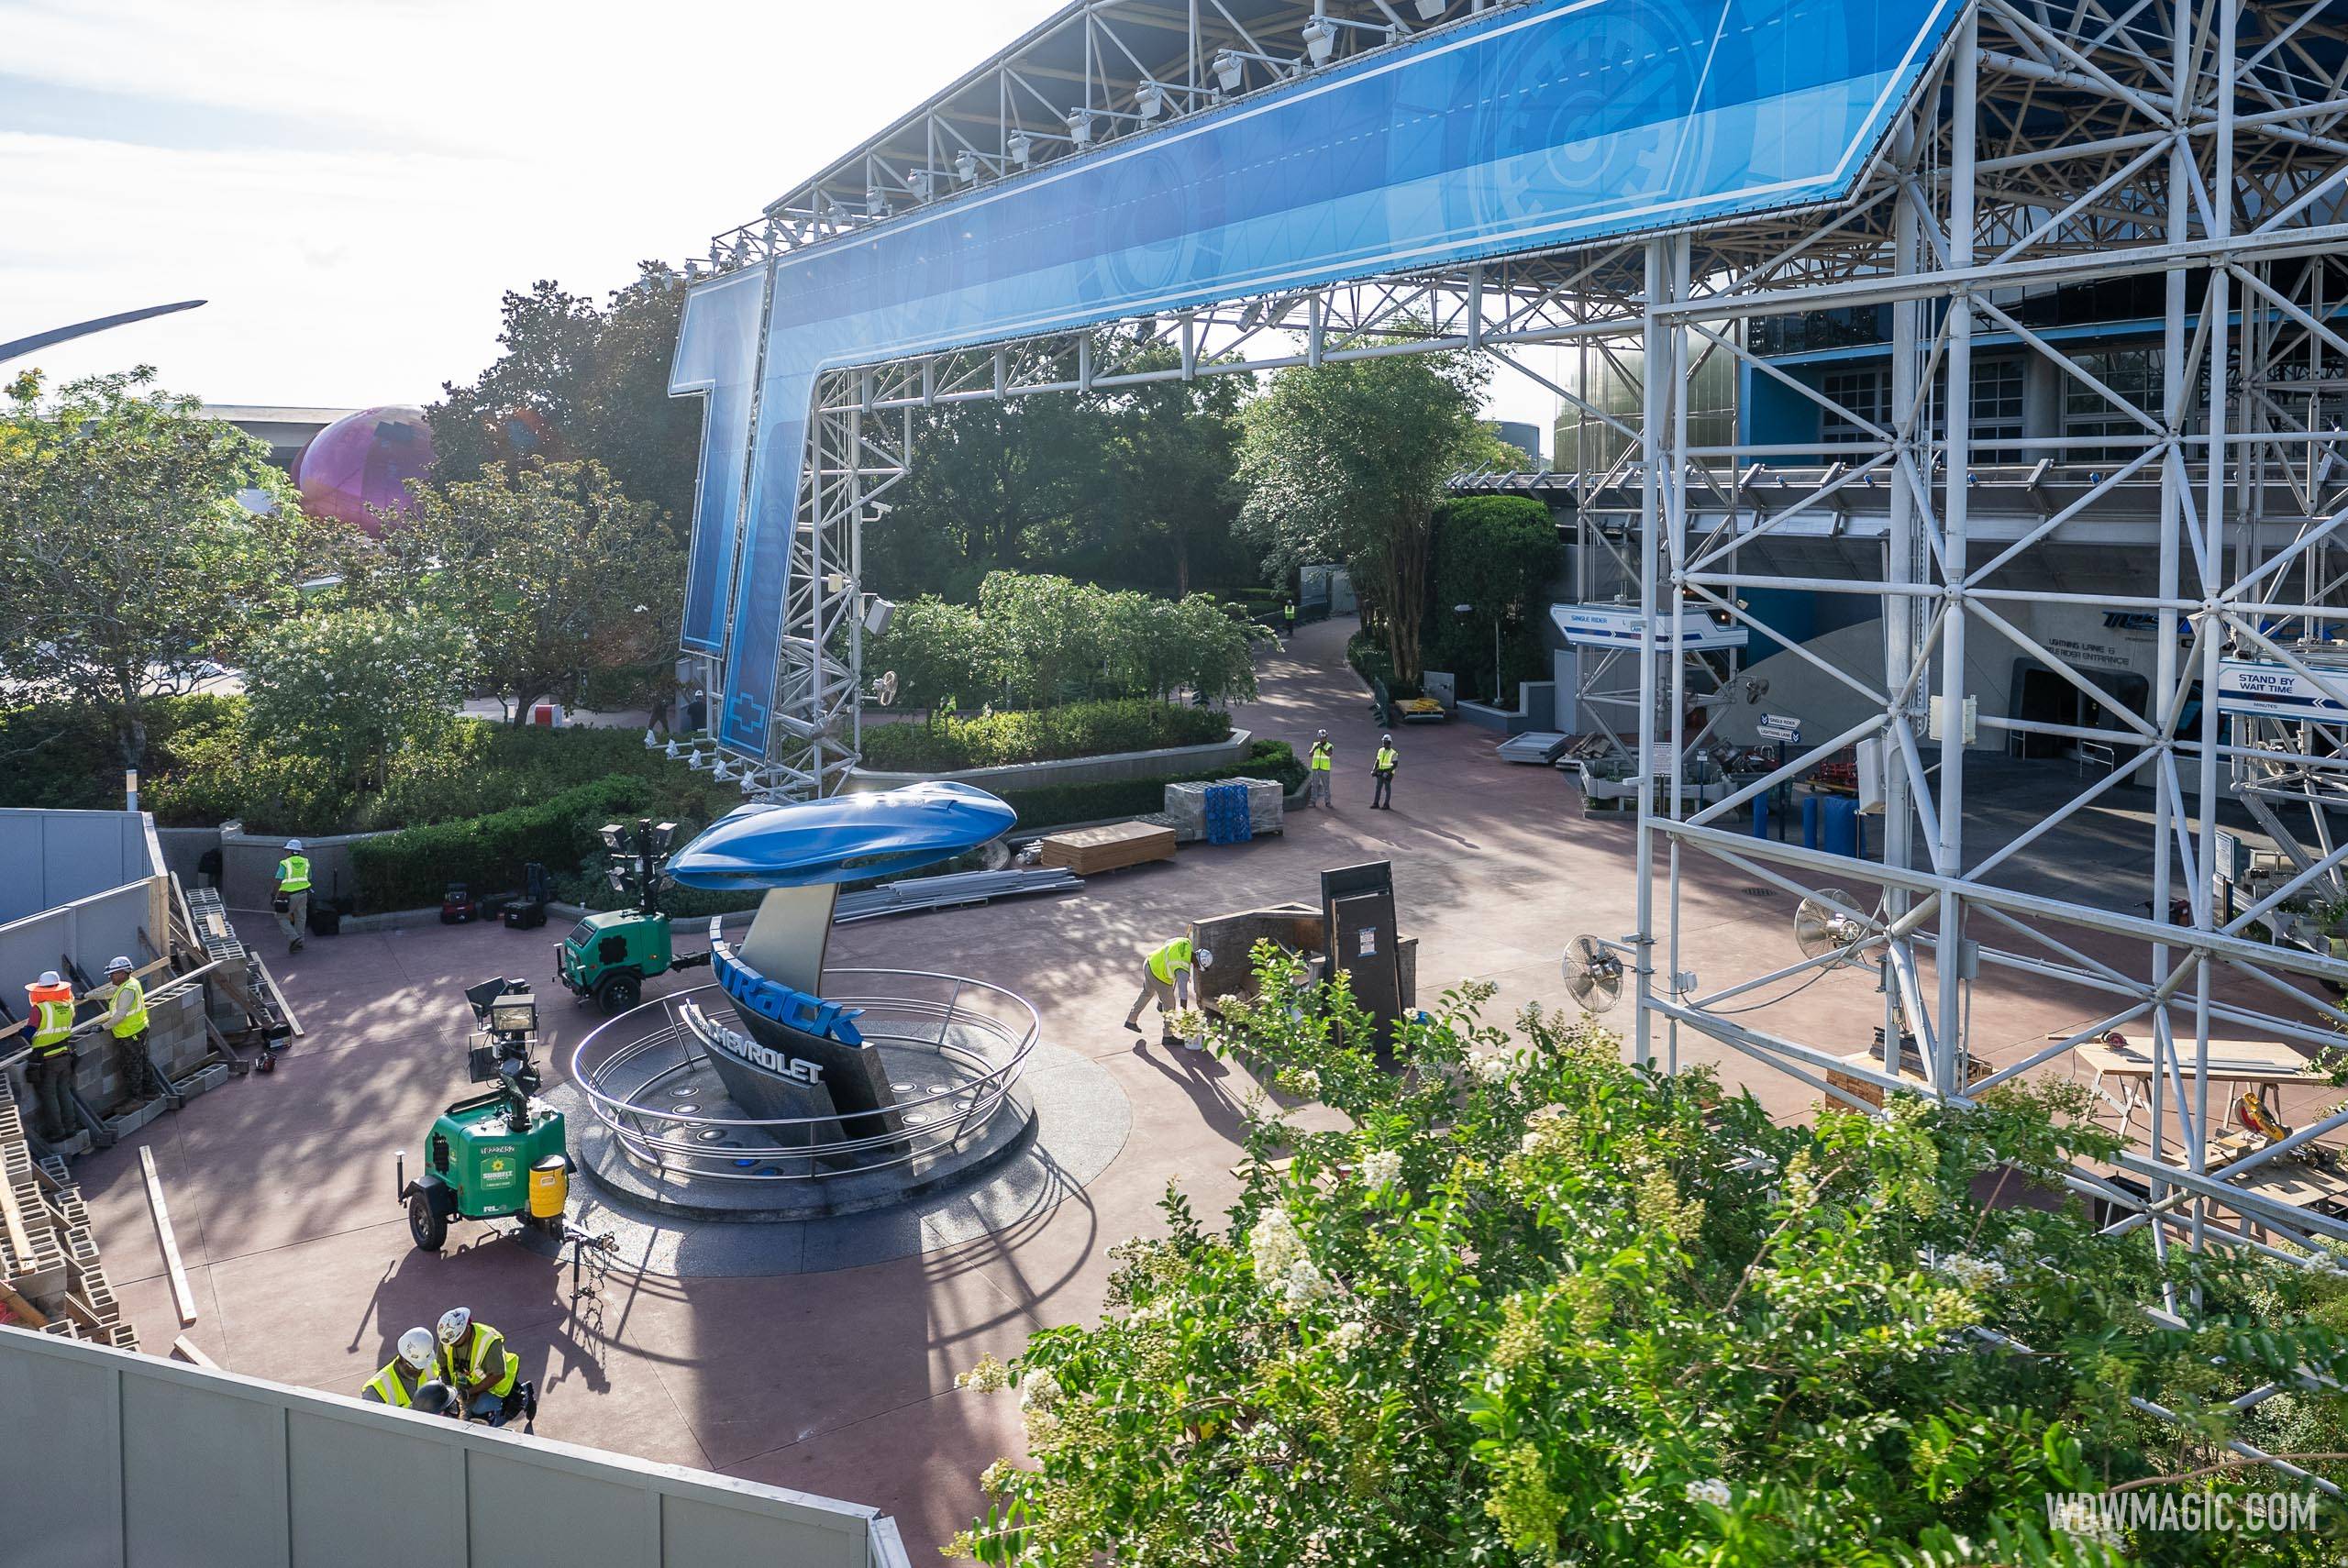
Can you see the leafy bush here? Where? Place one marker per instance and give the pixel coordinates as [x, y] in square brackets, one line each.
[357, 684]
[1079, 729]
[1060, 803]
[1525, 1305]
[1498, 554]
[1036, 642]
[411, 868]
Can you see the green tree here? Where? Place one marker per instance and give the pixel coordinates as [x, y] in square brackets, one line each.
[1345, 462]
[937, 650]
[130, 569]
[581, 380]
[1497, 554]
[1172, 452]
[358, 684]
[1523, 1305]
[554, 571]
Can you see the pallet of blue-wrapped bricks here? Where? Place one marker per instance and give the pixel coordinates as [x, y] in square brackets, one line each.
[1227, 816]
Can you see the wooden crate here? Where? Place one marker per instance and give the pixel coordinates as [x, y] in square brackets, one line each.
[1090, 851]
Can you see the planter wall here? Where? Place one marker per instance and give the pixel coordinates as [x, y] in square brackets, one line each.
[1164, 762]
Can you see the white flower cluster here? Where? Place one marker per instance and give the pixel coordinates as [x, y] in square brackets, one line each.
[1381, 1168]
[1301, 1081]
[1713, 1491]
[1972, 1273]
[1040, 1390]
[1493, 1070]
[1274, 1245]
[1301, 1284]
[1347, 1337]
[988, 1377]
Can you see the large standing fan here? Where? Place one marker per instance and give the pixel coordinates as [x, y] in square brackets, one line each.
[1828, 924]
[1593, 974]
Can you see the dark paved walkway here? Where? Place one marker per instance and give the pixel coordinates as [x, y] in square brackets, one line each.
[842, 1383]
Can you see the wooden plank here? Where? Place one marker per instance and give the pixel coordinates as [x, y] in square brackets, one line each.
[19, 1309]
[1108, 847]
[182, 1349]
[182, 1299]
[12, 1214]
[284, 1007]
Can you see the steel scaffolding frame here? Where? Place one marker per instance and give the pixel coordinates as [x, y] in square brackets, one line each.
[2199, 141]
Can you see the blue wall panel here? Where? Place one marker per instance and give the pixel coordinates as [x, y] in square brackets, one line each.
[1532, 127]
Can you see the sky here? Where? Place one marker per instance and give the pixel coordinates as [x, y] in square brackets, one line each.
[351, 184]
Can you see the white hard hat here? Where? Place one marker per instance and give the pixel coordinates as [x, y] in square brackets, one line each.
[119, 961]
[1204, 956]
[1320, 735]
[1386, 740]
[51, 977]
[453, 1324]
[293, 847]
[415, 1348]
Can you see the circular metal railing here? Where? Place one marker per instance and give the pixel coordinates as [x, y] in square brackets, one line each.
[984, 1031]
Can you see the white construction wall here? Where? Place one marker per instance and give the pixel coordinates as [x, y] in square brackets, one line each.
[128, 1461]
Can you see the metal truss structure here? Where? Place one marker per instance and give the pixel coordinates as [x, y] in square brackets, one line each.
[2203, 144]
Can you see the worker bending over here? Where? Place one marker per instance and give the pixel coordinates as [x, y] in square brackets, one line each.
[1319, 763]
[127, 1022]
[48, 1028]
[1165, 980]
[292, 895]
[476, 1363]
[1381, 776]
[407, 1372]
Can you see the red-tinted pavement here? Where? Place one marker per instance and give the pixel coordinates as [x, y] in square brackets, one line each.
[842, 1383]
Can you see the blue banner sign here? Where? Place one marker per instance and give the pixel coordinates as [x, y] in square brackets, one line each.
[1529, 127]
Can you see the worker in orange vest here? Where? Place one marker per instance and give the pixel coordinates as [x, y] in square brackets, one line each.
[49, 1029]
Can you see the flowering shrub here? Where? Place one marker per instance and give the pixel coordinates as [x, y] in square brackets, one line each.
[1571, 1311]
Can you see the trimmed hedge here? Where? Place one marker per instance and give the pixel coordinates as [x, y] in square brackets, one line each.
[1060, 803]
[412, 868]
[1043, 734]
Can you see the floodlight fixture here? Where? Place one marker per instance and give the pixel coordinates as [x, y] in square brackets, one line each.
[671, 751]
[614, 838]
[698, 762]
[966, 166]
[876, 203]
[662, 834]
[1149, 100]
[693, 271]
[1320, 40]
[877, 613]
[920, 182]
[651, 741]
[1080, 126]
[1230, 69]
[721, 772]
[742, 251]
[1020, 148]
[1430, 9]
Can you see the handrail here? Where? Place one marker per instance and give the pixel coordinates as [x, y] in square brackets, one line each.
[964, 1106]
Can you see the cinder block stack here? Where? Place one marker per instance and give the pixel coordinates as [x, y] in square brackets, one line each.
[48, 1258]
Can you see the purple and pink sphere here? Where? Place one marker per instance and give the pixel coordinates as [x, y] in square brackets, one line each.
[363, 460]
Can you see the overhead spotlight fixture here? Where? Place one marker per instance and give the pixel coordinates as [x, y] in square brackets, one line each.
[1080, 126]
[1149, 100]
[966, 166]
[1229, 68]
[1020, 148]
[876, 203]
[1320, 40]
[742, 252]
[773, 233]
[920, 181]
[693, 271]
[1430, 9]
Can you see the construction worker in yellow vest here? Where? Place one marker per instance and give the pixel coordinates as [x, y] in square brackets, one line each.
[292, 901]
[1382, 775]
[127, 1022]
[49, 1029]
[1167, 981]
[406, 1373]
[1319, 763]
[476, 1363]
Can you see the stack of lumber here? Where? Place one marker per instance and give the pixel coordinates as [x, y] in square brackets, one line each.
[1090, 851]
[50, 1278]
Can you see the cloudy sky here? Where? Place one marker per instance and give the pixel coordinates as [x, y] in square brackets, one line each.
[352, 183]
